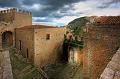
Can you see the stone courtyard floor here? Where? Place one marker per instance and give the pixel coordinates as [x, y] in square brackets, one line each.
[65, 71]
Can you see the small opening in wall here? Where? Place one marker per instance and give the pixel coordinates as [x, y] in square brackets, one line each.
[20, 44]
[48, 37]
[27, 53]
[98, 22]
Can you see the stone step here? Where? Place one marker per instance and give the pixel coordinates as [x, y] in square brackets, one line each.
[25, 74]
[43, 73]
[26, 69]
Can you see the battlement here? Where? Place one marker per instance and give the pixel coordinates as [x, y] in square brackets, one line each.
[12, 10]
[15, 15]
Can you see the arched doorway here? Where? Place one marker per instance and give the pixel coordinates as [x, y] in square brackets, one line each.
[7, 39]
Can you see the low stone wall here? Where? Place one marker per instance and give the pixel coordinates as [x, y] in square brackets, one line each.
[5, 65]
[112, 71]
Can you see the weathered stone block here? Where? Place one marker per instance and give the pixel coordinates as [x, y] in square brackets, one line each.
[117, 75]
[108, 74]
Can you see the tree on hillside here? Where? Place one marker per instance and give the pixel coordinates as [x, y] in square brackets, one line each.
[76, 26]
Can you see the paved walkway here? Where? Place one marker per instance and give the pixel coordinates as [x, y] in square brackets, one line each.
[5, 65]
[64, 71]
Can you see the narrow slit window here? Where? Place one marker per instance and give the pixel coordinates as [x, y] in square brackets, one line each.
[27, 56]
[20, 44]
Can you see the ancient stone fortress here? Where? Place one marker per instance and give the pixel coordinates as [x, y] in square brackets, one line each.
[39, 43]
[9, 20]
[101, 43]
[42, 45]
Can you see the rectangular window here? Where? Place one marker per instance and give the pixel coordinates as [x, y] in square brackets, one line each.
[48, 37]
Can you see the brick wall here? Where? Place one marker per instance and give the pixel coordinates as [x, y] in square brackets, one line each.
[100, 45]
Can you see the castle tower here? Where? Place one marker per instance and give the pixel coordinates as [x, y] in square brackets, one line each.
[9, 20]
[19, 17]
[102, 42]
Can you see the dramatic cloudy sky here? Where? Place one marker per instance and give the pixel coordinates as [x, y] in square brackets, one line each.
[61, 12]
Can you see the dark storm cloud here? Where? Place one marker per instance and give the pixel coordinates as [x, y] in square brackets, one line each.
[51, 5]
[108, 3]
[9, 3]
[55, 4]
[53, 10]
[48, 8]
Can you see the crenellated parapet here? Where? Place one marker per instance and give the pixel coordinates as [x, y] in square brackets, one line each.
[13, 10]
[16, 15]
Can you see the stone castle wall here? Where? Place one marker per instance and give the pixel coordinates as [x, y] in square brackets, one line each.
[20, 17]
[25, 42]
[11, 19]
[100, 45]
[41, 50]
[7, 16]
[47, 51]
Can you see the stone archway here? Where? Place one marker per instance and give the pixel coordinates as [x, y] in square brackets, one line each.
[7, 39]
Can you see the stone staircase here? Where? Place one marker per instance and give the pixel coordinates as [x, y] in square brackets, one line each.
[28, 69]
[23, 69]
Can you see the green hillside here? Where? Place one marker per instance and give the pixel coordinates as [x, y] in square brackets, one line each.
[77, 25]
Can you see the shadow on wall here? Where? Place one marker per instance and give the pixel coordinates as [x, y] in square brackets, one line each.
[72, 55]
